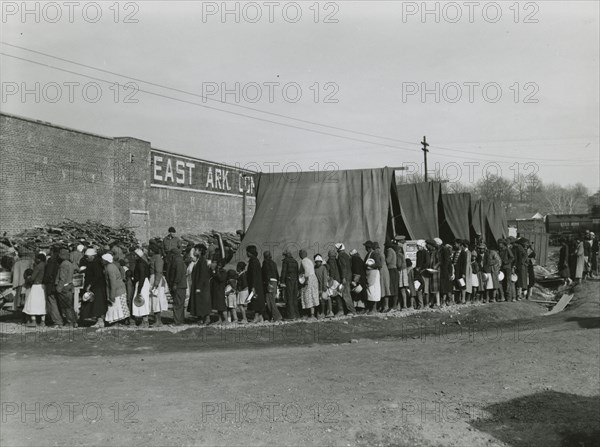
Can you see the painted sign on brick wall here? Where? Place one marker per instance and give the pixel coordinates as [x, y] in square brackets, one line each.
[185, 173]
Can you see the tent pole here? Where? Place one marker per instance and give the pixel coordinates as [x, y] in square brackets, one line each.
[392, 214]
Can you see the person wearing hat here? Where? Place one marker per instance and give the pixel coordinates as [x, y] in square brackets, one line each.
[177, 281]
[359, 281]
[520, 268]
[64, 287]
[333, 271]
[384, 275]
[309, 293]
[401, 267]
[199, 304]
[95, 282]
[35, 302]
[170, 242]
[158, 283]
[421, 275]
[344, 264]
[434, 276]
[464, 271]
[116, 292]
[507, 290]
[255, 283]
[141, 305]
[289, 284]
[373, 285]
[391, 261]
[446, 271]
[270, 277]
[23, 262]
[323, 280]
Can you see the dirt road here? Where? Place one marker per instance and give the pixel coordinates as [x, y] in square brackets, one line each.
[492, 375]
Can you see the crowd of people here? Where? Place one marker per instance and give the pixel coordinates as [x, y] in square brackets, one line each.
[132, 286]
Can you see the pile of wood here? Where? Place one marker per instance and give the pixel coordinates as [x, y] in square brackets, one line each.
[230, 240]
[70, 232]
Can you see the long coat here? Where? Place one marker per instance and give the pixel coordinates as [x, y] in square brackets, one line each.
[579, 267]
[360, 273]
[218, 281]
[95, 279]
[289, 277]
[200, 304]
[445, 270]
[521, 263]
[255, 282]
[563, 262]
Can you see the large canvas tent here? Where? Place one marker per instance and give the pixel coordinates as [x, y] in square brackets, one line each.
[314, 210]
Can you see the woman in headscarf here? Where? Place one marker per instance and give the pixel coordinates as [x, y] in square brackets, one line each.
[310, 289]
[384, 274]
[95, 282]
[391, 262]
[464, 271]
[116, 293]
[373, 285]
[35, 302]
[142, 305]
[158, 283]
[289, 284]
[200, 304]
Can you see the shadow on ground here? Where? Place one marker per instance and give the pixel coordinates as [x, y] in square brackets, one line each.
[544, 419]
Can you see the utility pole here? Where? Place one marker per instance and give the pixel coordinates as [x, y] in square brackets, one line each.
[425, 150]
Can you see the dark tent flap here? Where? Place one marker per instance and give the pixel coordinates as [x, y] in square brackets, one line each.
[457, 209]
[314, 210]
[419, 208]
[496, 219]
[489, 220]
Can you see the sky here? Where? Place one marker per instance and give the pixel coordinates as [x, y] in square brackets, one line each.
[496, 87]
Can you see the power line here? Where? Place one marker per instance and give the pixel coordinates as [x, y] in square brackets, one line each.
[479, 155]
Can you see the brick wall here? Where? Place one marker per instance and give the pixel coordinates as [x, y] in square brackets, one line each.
[49, 173]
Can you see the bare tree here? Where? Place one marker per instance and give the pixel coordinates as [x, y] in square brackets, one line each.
[565, 199]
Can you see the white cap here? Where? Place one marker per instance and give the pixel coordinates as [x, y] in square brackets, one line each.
[353, 251]
[318, 258]
[438, 240]
[139, 252]
[421, 243]
[107, 257]
[80, 248]
[91, 252]
[340, 246]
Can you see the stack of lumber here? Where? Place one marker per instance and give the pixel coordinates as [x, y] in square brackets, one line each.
[70, 232]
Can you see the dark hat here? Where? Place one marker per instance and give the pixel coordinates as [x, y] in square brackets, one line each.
[375, 244]
[252, 250]
[368, 244]
[172, 230]
[431, 242]
[241, 265]
[267, 254]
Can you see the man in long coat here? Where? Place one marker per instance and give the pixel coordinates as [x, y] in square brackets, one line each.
[200, 302]
[270, 277]
[344, 264]
[289, 284]
[255, 283]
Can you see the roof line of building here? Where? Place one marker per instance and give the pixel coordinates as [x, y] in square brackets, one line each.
[70, 129]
